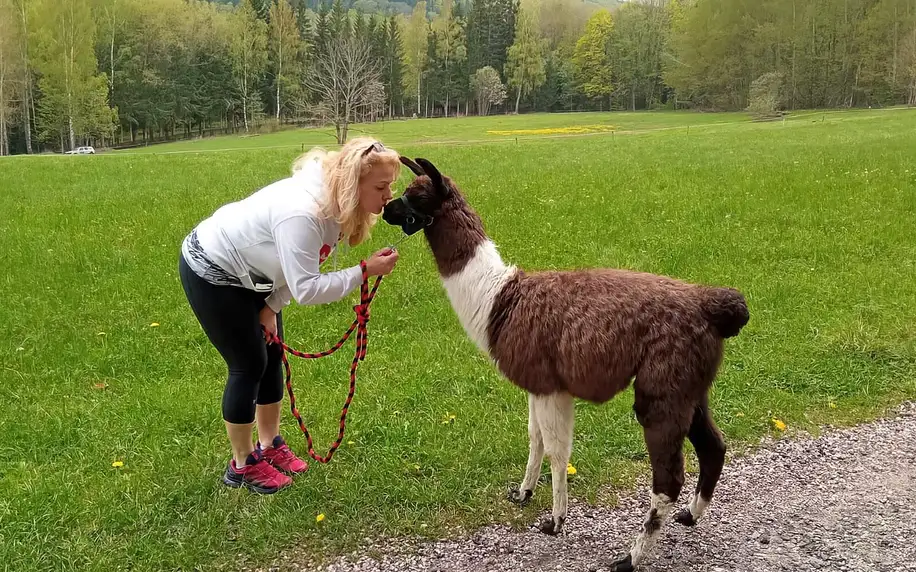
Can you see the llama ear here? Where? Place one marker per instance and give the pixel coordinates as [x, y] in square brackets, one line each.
[417, 170]
[434, 175]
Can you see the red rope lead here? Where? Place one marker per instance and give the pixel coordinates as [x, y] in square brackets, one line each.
[362, 342]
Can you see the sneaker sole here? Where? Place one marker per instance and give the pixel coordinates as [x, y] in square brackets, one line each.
[251, 486]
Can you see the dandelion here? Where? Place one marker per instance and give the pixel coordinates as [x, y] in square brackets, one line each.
[570, 470]
[118, 464]
[779, 424]
[448, 418]
[319, 518]
[154, 325]
[831, 405]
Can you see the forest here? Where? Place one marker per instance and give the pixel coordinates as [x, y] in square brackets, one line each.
[116, 73]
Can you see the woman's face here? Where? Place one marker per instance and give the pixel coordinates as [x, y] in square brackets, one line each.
[375, 187]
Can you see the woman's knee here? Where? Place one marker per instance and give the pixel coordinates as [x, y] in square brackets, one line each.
[271, 388]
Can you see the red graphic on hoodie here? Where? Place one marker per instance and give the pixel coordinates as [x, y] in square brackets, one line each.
[323, 253]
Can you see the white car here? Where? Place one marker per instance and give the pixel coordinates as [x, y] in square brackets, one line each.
[87, 150]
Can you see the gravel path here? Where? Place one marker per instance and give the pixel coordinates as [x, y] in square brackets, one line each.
[843, 502]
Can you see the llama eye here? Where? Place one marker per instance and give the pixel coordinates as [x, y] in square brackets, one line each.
[411, 220]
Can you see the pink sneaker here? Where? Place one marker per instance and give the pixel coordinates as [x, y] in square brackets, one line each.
[280, 456]
[257, 475]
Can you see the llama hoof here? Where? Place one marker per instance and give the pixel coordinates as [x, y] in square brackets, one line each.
[551, 526]
[622, 564]
[685, 517]
[520, 498]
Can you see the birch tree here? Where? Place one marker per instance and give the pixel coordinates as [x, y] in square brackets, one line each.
[249, 57]
[284, 47]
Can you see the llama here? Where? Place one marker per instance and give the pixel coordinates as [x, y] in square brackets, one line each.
[561, 335]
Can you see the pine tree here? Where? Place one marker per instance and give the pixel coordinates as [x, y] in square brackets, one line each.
[323, 33]
[339, 22]
[394, 68]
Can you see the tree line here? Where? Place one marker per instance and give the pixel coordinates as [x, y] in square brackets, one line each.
[123, 72]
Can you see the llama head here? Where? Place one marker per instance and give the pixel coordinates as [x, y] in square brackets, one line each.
[423, 200]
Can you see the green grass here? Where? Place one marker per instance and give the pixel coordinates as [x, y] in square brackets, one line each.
[432, 131]
[811, 219]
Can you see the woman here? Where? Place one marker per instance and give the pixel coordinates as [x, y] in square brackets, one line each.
[241, 266]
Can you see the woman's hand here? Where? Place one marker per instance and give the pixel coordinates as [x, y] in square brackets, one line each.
[269, 320]
[382, 262]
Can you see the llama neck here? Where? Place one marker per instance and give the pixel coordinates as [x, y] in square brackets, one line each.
[472, 270]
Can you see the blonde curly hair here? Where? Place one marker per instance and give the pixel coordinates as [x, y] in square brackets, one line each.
[341, 171]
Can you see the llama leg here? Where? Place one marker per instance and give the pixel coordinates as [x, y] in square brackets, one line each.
[556, 416]
[710, 448]
[522, 494]
[664, 429]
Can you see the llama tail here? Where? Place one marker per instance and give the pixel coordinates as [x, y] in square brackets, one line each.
[726, 309]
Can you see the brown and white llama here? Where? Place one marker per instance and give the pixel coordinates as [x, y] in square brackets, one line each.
[585, 334]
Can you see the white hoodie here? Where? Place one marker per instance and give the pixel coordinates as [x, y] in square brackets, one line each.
[274, 240]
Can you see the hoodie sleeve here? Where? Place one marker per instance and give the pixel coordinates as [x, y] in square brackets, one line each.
[299, 241]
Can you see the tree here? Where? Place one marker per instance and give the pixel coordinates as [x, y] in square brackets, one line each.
[339, 23]
[375, 100]
[638, 38]
[562, 22]
[525, 67]
[345, 81]
[249, 56]
[393, 68]
[322, 30]
[70, 84]
[908, 65]
[488, 89]
[284, 45]
[10, 71]
[27, 101]
[764, 97]
[591, 59]
[491, 30]
[450, 51]
[416, 49]
[261, 9]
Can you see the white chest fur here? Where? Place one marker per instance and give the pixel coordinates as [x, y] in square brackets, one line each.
[473, 290]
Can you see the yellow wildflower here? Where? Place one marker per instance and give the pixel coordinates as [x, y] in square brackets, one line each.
[779, 424]
[118, 464]
[319, 518]
[581, 129]
[570, 470]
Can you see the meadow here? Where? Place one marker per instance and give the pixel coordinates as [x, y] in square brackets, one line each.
[113, 443]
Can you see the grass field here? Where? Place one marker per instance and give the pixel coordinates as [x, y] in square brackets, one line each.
[477, 130]
[101, 360]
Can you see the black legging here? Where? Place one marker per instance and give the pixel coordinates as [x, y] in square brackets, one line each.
[229, 316]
